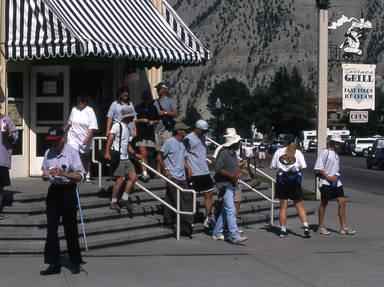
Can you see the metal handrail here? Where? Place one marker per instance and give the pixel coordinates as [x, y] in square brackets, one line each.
[179, 188]
[100, 165]
[273, 182]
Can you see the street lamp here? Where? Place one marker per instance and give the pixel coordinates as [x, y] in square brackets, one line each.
[322, 4]
[218, 106]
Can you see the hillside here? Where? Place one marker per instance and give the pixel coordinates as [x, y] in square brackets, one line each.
[250, 39]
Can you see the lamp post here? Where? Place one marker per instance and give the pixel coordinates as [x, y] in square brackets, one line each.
[323, 6]
[218, 106]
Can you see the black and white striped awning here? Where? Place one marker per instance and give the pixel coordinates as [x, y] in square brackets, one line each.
[130, 29]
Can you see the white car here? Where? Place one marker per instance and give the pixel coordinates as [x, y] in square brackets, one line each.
[362, 145]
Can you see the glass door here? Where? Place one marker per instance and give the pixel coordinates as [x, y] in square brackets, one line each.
[49, 106]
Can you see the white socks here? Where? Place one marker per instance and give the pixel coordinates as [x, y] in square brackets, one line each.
[145, 173]
[114, 200]
[125, 196]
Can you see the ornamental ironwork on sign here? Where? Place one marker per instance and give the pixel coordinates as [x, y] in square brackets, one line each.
[352, 44]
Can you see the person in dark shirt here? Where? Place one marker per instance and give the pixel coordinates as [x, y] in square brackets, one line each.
[147, 119]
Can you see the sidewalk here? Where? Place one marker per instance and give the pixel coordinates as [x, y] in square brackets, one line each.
[266, 260]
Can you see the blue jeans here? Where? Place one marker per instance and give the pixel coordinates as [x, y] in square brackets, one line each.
[227, 215]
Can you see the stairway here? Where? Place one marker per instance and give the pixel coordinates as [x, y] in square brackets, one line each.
[23, 229]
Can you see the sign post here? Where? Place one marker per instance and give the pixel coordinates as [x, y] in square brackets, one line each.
[322, 97]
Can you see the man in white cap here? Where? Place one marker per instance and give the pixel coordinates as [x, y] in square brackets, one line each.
[197, 168]
[172, 159]
[119, 141]
[328, 167]
[227, 174]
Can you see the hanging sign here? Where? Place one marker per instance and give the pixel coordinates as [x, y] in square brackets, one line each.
[358, 116]
[359, 86]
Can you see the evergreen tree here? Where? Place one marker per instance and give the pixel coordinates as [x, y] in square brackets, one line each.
[287, 106]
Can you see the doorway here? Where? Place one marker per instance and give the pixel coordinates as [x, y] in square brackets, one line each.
[49, 105]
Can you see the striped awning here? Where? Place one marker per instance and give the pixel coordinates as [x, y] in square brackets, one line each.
[129, 29]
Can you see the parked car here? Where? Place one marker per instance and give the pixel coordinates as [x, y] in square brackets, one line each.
[348, 147]
[275, 145]
[376, 158]
[362, 145]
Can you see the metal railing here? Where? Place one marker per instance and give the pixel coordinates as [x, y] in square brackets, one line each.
[273, 182]
[178, 188]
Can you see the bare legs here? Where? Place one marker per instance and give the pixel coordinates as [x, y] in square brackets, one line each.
[283, 211]
[86, 161]
[208, 203]
[341, 211]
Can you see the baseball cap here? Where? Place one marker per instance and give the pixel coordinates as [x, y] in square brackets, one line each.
[82, 98]
[181, 126]
[147, 95]
[289, 138]
[128, 112]
[161, 85]
[202, 125]
[54, 133]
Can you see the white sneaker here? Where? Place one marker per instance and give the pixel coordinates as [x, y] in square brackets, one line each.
[207, 222]
[88, 177]
[218, 237]
[238, 240]
[324, 231]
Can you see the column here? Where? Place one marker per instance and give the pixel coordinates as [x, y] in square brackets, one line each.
[322, 85]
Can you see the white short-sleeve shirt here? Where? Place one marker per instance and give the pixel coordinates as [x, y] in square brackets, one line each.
[125, 136]
[298, 165]
[329, 162]
[81, 122]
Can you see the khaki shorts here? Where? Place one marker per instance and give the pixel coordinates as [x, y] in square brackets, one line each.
[262, 155]
[124, 168]
[146, 143]
[238, 194]
[161, 137]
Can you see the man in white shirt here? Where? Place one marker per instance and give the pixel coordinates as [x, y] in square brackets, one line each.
[118, 140]
[328, 166]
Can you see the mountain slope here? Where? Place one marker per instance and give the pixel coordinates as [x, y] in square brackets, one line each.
[250, 39]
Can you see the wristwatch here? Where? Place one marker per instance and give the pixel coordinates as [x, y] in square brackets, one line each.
[166, 112]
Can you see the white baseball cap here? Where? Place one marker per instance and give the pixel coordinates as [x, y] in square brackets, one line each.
[202, 125]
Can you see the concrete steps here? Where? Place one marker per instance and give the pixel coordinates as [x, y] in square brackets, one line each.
[23, 229]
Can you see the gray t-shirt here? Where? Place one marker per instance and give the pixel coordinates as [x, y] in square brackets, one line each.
[114, 111]
[196, 154]
[174, 153]
[167, 105]
[228, 162]
[329, 162]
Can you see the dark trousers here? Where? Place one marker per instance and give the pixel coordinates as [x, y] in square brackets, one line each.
[61, 202]
[185, 205]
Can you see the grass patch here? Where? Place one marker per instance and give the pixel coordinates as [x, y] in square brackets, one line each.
[309, 195]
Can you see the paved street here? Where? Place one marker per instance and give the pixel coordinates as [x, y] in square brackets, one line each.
[354, 174]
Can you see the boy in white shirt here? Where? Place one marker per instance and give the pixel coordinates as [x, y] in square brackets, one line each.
[118, 140]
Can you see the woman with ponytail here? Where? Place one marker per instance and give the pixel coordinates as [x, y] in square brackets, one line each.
[289, 162]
